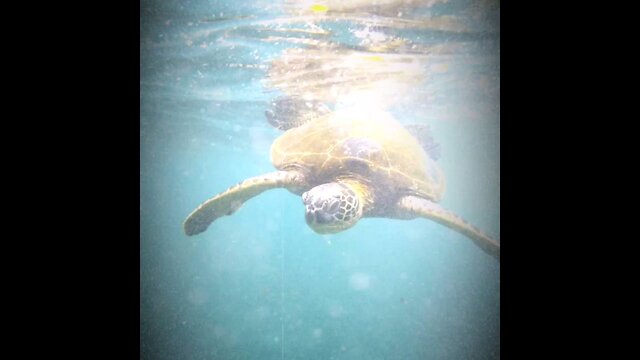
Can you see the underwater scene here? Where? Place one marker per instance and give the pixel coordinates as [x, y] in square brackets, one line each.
[319, 179]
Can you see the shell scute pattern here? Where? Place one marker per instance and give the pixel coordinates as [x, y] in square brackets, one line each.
[370, 144]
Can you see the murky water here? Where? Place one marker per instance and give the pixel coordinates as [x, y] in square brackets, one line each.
[261, 284]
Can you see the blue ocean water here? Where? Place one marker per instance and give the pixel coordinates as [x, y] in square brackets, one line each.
[261, 284]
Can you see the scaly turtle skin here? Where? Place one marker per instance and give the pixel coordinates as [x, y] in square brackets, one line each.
[347, 165]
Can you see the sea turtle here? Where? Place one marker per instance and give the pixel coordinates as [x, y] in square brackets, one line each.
[346, 165]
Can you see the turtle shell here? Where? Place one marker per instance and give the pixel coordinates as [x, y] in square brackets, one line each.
[358, 143]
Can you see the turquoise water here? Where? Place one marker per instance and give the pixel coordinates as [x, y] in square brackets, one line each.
[261, 284]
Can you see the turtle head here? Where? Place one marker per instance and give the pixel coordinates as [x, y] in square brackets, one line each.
[331, 208]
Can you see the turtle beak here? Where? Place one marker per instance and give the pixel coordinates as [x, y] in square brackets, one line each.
[309, 213]
[309, 217]
[314, 216]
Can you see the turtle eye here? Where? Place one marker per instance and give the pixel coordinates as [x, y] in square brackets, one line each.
[333, 208]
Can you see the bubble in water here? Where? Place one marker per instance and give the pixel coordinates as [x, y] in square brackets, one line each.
[219, 331]
[336, 310]
[198, 296]
[360, 281]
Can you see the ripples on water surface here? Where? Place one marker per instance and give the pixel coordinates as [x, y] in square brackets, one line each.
[261, 284]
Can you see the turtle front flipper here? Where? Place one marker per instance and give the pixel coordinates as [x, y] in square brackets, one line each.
[410, 207]
[227, 202]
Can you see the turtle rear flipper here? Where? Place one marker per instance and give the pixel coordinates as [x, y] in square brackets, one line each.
[423, 134]
[410, 207]
[287, 112]
[229, 201]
